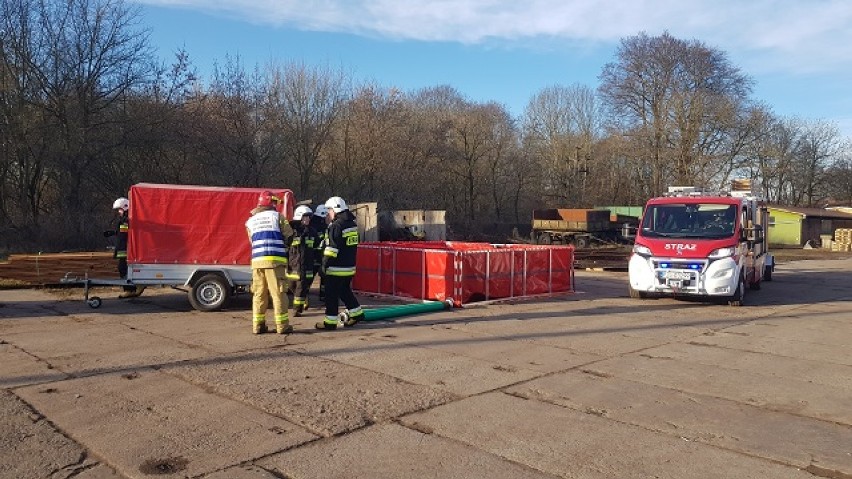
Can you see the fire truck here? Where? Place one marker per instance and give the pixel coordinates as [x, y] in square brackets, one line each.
[699, 244]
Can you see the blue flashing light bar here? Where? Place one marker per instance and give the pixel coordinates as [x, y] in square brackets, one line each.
[692, 266]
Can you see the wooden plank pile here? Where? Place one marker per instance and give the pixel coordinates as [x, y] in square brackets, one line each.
[842, 240]
[48, 269]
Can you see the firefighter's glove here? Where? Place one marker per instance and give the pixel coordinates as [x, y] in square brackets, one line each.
[109, 233]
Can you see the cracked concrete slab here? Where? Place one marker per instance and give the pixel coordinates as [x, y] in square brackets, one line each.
[794, 396]
[772, 366]
[20, 368]
[324, 396]
[31, 448]
[453, 373]
[500, 350]
[793, 440]
[830, 353]
[574, 444]
[148, 422]
[86, 348]
[390, 451]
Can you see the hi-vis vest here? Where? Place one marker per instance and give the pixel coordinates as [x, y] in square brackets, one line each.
[267, 242]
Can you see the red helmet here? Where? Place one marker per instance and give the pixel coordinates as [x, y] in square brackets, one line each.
[266, 199]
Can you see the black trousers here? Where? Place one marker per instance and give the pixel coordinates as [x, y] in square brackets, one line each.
[339, 288]
[300, 288]
[122, 272]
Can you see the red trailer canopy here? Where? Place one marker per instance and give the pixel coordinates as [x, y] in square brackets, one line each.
[185, 224]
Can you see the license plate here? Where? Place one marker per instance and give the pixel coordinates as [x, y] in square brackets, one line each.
[675, 283]
[677, 275]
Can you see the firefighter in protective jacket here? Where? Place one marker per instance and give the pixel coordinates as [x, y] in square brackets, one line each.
[338, 264]
[121, 206]
[267, 229]
[300, 263]
[320, 223]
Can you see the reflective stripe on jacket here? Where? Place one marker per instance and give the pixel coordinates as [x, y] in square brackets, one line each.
[301, 252]
[122, 231]
[341, 245]
[267, 241]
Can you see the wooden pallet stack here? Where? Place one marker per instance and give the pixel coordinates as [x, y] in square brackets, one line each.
[842, 240]
[47, 269]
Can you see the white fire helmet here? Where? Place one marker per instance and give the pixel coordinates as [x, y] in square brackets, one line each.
[121, 204]
[321, 211]
[300, 212]
[336, 204]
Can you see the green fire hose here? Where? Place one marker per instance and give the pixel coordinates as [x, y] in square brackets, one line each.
[390, 312]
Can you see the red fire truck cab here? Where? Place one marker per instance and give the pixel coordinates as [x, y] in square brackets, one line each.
[698, 244]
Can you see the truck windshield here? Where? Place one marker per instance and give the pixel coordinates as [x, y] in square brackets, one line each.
[689, 220]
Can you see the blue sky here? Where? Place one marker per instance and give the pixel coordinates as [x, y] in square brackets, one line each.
[799, 53]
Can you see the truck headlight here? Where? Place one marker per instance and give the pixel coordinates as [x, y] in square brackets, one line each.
[642, 250]
[721, 253]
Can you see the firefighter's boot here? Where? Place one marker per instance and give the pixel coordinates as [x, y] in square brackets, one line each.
[135, 292]
[258, 325]
[353, 317]
[282, 325]
[329, 322]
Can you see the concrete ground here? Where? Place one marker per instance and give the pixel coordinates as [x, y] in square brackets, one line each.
[587, 385]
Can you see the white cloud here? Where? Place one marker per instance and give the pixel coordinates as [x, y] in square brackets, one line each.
[772, 35]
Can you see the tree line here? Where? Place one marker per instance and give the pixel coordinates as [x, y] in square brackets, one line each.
[87, 110]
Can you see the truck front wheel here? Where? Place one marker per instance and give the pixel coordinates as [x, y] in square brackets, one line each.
[738, 298]
[209, 293]
[636, 294]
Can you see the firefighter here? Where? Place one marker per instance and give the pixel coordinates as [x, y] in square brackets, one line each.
[121, 206]
[300, 262]
[267, 229]
[338, 265]
[320, 223]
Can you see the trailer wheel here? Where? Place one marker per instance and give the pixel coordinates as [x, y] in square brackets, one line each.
[738, 298]
[581, 242]
[94, 302]
[767, 273]
[209, 293]
[544, 238]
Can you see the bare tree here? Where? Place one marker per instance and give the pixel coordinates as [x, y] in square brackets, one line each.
[377, 151]
[817, 148]
[560, 126]
[232, 131]
[74, 62]
[839, 177]
[679, 102]
[476, 140]
[304, 104]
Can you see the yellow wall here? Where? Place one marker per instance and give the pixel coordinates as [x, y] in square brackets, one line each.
[787, 228]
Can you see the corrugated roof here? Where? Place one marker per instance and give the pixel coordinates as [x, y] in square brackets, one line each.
[813, 212]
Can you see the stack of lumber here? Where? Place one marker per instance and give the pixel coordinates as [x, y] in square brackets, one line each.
[842, 240]
[46, 269]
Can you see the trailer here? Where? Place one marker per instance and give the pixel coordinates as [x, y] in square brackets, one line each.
[192, 238]
[580, 227]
